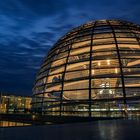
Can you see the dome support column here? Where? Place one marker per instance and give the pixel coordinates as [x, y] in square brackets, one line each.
[121, 70]
[63, 77]
[90, 71]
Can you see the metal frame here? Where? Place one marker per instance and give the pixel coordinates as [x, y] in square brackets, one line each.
[78, 35]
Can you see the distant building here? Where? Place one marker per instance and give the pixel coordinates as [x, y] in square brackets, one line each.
[14, 104]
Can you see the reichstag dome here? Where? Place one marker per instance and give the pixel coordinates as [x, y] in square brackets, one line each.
[92, 71]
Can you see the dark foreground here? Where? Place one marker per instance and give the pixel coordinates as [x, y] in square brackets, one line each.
[98, 130]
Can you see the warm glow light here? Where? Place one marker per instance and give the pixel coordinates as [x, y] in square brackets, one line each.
[108, 62]
[116, 70]
[92, 71]
[99, 64]
[84, 66]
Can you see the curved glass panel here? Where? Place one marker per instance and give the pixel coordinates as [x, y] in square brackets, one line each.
[94, 70]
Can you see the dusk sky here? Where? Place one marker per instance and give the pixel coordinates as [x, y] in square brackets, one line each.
[29, 28]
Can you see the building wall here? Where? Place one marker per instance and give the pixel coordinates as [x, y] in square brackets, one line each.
[14, 104]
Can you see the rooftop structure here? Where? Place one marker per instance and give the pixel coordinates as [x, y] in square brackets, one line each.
[94, 70]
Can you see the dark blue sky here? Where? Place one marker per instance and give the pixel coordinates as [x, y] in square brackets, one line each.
[29, 28]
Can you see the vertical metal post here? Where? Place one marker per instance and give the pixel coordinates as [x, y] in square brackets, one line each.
[63, 78]
[120, 64]
[90, 70]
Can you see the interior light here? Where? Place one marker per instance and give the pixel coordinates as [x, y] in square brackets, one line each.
[99, 64]
[108, 62]
[116, 70]
[84, 66]
[92, 71]
[101, 91]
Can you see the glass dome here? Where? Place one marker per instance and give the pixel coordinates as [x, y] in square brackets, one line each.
[94, 70]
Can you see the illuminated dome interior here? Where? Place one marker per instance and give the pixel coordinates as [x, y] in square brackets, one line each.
[94, 70]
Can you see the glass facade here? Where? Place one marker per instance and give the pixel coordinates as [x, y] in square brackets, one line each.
[94, 70]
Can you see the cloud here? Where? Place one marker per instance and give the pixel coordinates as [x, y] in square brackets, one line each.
[29, 28]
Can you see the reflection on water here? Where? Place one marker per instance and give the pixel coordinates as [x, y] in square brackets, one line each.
[98, 130]
[10, 123]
